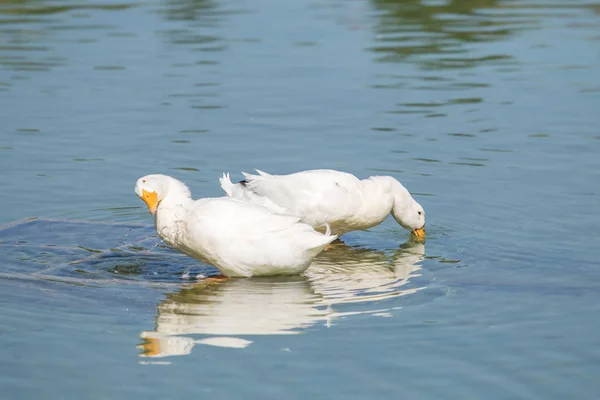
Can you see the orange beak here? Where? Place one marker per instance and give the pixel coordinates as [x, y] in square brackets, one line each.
[420, 233]
[150, 347]
[151, 200]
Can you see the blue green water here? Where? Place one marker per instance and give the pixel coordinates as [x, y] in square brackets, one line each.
[488, 111]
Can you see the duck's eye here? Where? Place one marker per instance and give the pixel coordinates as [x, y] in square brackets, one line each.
[420, 212]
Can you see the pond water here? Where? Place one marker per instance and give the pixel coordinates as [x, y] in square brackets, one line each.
[488, 111]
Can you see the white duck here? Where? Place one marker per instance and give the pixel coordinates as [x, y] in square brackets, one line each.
[325, 197]
[228, 313]
[239, 238]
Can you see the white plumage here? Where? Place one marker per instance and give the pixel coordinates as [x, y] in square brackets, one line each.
[237, 237]
[339, 199]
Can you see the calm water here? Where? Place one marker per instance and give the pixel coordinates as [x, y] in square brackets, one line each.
[487, 110]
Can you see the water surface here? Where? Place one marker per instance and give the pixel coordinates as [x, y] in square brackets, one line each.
[486, 110]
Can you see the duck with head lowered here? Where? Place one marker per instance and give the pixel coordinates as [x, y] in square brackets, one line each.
[325, 197]
[241, 239]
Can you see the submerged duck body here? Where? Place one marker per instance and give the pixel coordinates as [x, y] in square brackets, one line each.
[325, 197]
[239, 238]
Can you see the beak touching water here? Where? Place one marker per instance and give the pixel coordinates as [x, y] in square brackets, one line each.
[420, 233]
[151, 200]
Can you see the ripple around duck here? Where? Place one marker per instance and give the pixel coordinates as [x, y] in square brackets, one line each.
[341, 282]
[92, 253]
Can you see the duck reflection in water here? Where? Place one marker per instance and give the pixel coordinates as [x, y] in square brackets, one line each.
[225, 310]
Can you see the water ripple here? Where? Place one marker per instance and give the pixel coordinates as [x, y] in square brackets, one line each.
[341, 282]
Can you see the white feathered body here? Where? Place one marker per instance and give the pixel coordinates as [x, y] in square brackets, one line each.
[237, 237]
[318, 197]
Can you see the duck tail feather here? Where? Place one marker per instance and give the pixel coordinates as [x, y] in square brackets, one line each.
[226, 184]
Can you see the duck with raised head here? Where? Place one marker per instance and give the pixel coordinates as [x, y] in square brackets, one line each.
[324, 197]
[239, 238]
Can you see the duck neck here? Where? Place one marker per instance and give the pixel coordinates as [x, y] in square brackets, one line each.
[172, 210]
[401, 196]
[403, 203]
[377, 200]
[393, 190]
